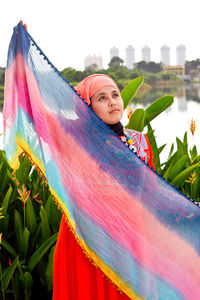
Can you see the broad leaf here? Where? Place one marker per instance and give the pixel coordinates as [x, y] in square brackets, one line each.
[8, 273]
[157, 107]
[41, 251]
[180, 178]
[130, 90]
[136, 121]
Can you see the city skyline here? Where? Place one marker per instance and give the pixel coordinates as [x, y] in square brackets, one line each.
[130, 61]
[68, 31]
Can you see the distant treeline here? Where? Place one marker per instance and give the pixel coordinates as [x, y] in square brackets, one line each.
[151, 71]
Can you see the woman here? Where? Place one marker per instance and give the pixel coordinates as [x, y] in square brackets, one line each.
[74, 276]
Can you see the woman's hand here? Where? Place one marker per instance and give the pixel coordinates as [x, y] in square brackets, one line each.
[25, 26]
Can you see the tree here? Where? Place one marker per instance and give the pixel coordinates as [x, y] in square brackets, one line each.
[115, 62]
[191, 65]
[150, 67]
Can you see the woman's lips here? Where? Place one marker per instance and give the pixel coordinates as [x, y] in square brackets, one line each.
[114, 110]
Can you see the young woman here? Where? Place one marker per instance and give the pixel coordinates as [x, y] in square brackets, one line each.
[75, 277]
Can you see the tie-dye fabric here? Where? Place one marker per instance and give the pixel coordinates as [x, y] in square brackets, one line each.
[140, 231]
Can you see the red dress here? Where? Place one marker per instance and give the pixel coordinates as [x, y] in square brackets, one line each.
[74, 275]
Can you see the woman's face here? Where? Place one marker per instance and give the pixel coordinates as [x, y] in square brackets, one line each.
[108, 105]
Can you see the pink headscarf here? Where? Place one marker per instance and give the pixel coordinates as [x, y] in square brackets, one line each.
[91, 84]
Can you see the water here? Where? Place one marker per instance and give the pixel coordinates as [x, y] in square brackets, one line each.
[173, 122]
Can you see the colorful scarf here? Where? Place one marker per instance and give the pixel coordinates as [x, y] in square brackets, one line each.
[140, 231]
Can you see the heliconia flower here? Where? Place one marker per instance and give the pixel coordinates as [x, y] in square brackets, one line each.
[24, 194]
[192, 178]
[0, 237]
[129, 111]
[19, 192]
[27, 196]
[193, 126]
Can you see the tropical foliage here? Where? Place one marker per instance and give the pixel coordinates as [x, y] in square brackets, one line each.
[29, 223]
[182, 168]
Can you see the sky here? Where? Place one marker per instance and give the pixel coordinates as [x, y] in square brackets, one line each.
[67, 31]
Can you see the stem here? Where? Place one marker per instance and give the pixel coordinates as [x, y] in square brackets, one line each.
[13, 283]
[2, 289]
[24, 216]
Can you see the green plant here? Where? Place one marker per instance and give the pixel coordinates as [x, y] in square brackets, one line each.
[28, 231]
[182, 167]
[141, 118]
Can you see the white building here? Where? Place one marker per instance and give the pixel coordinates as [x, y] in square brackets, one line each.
[165, 55]
[181, 55]
[130, 57]
[114, 52]
[94, 62]
[146, 54]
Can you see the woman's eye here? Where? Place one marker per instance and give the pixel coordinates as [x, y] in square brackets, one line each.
[116, 95]
[101, 98]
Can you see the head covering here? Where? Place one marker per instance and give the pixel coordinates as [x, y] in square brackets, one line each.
[91, 84]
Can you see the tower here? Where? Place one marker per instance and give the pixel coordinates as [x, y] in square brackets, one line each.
[146, 54]
[130, 57]
[165, 55]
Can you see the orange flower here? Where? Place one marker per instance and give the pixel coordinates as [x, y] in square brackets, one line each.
[193, 126]
[129, 111]
[24, 194]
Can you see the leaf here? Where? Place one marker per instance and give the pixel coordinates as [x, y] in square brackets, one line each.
[6, 199]
[168, 169]
[195, 188]
[39, 253]
[152, 140]
[180, 178]
[27, 280]
[24, 244]
[193, 152]
[130, 90]
[24, 170]
[18, 228]
[178, 167]
[185, 139]
[31, 221]
[53, 214]
[8, 247]
[8, 273]
[49, 269]
[160, 149]
[157, 107]
[44, 224]
[171, 151]
[136, 121]
[181, 148]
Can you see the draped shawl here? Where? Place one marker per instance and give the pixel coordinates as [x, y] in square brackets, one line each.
[140, 231]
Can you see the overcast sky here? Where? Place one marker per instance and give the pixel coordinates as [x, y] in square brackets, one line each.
[67, 31]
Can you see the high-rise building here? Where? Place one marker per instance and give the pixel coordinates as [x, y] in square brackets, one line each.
[114, 52]
[93, 61]
[146, 54]
[181, 55]
[165, 55]
[130, 57]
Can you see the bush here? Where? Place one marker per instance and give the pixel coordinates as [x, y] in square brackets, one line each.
[28, 230]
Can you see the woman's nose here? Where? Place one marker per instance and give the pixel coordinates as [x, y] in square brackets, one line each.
[111, 101]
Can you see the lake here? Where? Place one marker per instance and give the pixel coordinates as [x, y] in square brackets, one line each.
[173, 122]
